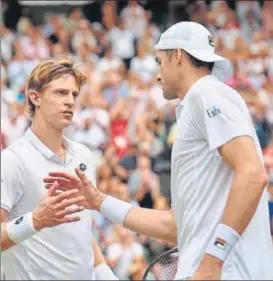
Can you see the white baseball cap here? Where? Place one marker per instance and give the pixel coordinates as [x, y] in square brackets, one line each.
[196, 40]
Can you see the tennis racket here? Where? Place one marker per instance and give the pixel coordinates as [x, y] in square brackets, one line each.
[163, 267]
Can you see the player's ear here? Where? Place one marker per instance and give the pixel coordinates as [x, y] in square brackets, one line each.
[35, 98]
[179, 56]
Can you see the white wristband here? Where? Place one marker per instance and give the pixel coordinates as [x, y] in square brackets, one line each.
[104, 272]
[21, 228]
[115, 209]
[223, 241]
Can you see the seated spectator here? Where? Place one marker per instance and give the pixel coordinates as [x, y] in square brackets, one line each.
[33, 43]
[143, 183]
[134, 18]
[94, 131]
[109, 14]
[239, 79]
[19, 67]
[266, 95]
[84, 34]
[229, 41]
[114, 88]
[143, 62]
[121, 254]
[7, 39]
[14, 124]
[122, 41]
[250, 18]
[108, 62]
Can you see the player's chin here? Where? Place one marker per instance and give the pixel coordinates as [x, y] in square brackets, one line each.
[168, 95]
[64, 123]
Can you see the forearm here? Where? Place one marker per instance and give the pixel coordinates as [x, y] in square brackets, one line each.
[6, 242]
[154, 223]
[16, 231]
[242, 203]
[243, 200]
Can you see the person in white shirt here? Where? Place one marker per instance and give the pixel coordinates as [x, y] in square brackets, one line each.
[122, 42]
[134, 18]
[122, 253]
[219, 216]
[143, 63]
[13, 124]
[102, 270]
[108, 61]
[40, 229]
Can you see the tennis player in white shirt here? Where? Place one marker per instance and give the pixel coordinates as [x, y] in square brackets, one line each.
[41, 236]
[219, 216]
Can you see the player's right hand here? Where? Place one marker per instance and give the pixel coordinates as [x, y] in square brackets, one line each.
[93, 197]
[53, 209]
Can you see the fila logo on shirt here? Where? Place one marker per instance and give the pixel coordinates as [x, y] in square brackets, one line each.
[220, 243]
[214, 111]
[82, 167]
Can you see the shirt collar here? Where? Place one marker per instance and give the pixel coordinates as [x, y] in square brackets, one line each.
[44, 150]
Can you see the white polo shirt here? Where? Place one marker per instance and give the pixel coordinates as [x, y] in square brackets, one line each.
[210, 115]
[63, 252]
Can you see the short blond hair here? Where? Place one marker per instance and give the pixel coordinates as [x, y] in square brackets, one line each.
[49, 70]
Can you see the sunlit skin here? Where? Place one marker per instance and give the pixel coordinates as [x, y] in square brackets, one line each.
[56, 104]
[167, 75]
[176, 74]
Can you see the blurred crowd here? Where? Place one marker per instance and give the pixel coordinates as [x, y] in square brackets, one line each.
[121, 114]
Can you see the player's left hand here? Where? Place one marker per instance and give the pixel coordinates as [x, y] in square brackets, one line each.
[210, 268]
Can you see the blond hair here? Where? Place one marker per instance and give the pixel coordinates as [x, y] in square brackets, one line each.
[47, 71]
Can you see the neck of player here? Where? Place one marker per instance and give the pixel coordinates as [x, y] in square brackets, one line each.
[51, 137]
[191, 76]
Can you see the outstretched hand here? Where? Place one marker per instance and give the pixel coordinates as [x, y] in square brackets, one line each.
[66, 181]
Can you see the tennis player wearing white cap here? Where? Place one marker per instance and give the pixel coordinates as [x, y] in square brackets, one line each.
[219, 201]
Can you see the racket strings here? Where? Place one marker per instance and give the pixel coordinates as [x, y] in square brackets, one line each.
[164, 267]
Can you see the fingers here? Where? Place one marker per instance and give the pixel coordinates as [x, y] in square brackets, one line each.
[62, 175]
[59, 180]
[65, 195]
[60, 187]
[52, 189]
[69, 219]
[66, 203]
[70, 211]
[82, 176]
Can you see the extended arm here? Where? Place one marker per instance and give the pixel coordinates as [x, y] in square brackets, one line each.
[159, 224]
[155, 223]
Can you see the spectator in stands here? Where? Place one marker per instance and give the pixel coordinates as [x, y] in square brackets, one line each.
[134, 18]
[121, 254]
[123, 42]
